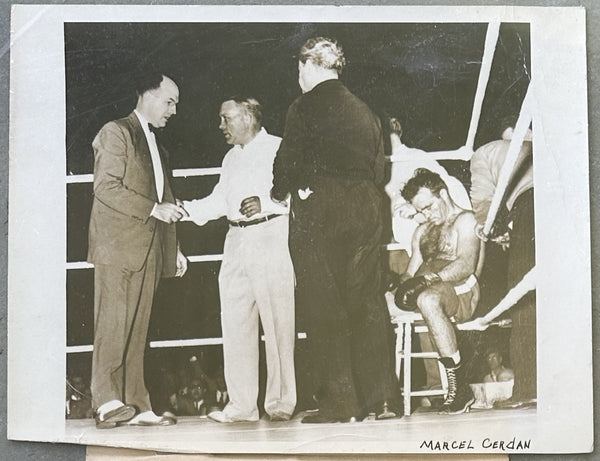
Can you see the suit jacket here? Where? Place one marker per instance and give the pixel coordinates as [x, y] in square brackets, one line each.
[329, 133]
[121, 228]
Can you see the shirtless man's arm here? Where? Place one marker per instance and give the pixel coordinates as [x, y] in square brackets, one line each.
[416, 258]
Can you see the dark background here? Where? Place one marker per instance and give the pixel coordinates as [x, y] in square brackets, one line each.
[45, 451]
[425, 74]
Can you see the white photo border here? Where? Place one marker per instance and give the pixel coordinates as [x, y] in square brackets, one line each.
[37, 194]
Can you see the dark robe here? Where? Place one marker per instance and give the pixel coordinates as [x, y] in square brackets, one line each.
[333, 145]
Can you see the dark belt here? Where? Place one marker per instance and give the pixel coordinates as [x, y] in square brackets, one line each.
[254, 221]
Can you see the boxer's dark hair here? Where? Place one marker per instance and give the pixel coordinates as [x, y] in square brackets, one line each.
[423, 178]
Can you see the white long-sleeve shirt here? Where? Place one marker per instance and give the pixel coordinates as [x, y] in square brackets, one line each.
[246, 171]
[486, 165]
[159, 177]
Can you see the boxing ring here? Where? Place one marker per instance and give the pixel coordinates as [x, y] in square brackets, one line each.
[489, 431]
[193, 432]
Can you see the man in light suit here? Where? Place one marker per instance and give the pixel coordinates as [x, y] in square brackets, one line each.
[132, 243]
[256, 279]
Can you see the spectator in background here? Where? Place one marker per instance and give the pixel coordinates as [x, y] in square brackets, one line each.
[219, 389]
[197, 369]
[196, 402]
[79, 398]
[177, 385]
[498, 372]
[163, 390]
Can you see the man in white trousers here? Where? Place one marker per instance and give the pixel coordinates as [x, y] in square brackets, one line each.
[256, 277]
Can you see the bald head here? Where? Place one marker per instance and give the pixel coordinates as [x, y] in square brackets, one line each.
[158, 102]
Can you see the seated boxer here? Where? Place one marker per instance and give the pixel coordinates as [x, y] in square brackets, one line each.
[439, 279]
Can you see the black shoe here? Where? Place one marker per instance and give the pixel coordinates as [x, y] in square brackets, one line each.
[387, 411]
[460, 396]
[320, 418]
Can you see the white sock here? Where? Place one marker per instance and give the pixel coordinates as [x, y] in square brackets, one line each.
[110, 406]
[456, 357]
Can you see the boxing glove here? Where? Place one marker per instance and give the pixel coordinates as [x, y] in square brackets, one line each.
[392, 280]
[408, 292]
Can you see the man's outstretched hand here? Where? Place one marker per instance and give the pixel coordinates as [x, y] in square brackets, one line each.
[169, 212]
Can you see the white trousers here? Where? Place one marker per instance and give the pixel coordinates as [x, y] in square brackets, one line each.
[257, 280]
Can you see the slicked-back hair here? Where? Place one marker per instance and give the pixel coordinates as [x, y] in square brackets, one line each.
[423, 178]
[148, 81]
[251, 106]
[324, 52]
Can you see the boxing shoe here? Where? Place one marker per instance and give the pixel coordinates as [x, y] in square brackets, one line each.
[460, 396]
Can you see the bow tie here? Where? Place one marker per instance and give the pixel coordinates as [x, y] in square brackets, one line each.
[153, 129]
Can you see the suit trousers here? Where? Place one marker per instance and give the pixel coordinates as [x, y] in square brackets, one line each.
[256, 280]
[335, 239]
[521, 258]
[122, 306]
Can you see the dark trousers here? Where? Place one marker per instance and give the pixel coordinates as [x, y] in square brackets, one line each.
[335, 245]
[122, 305]
[521, 258]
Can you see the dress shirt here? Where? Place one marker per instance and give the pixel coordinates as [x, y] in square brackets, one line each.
[486, 165]
[246, 171]
[159, 177]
